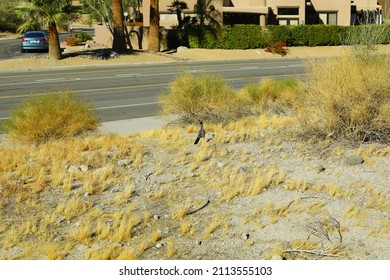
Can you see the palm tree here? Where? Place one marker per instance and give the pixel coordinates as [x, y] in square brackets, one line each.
[177, 7]
[207, 13]
[154, 29]
[119, 43]
[50, 10]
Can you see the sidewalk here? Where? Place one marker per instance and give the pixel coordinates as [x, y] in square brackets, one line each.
[130, 126]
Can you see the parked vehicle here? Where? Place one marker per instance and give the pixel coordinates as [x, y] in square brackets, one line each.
[35, 40]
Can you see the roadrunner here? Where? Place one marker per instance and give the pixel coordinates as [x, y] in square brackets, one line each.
[201, 133]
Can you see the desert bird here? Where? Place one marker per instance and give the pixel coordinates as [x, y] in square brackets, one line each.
[201, 133]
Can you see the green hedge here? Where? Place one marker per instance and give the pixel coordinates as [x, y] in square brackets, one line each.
[253, 36]
[229, 37]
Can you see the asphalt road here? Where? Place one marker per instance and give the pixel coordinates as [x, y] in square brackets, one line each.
[10, 48]
[130, 91]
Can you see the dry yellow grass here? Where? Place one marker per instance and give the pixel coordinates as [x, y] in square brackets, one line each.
[140, 211]
[347, 97]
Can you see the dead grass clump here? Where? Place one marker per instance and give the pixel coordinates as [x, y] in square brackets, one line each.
[206, 98]
[347, 98]
[273, 96]
[50, 116]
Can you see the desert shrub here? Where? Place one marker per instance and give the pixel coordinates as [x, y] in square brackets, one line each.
[365, 38]
[273, 96]
[277, 48]
[50, 116]
[71, 41]
[83, 37]
[205, 97]
[347, 98]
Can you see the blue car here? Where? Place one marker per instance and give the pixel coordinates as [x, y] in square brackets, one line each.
[35, 40]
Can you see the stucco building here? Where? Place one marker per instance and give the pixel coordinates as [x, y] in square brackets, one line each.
[279, 12]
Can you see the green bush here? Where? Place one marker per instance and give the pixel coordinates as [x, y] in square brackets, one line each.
[9, 18]
[204, 37]
[248, 36]
[245, 36]
[50, 116]
[83, 37]
[280, 33]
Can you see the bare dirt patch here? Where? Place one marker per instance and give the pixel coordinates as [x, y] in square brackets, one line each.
[247, 192]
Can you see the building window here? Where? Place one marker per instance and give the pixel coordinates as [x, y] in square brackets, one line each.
[288, 21]
[168, 17]
[328, 18]
[288, 11]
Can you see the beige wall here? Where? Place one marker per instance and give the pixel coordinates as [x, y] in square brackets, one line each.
[343, 9]
[274, 4]
[104, 37]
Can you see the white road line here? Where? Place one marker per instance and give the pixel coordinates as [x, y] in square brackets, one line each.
[129, 105]
[51, 80]
[128, 75]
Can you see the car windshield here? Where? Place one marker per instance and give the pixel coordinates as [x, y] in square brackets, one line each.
[34, 35]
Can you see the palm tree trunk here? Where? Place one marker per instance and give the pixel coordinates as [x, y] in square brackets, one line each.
[54, 42]
[119, 44]
[154, 34]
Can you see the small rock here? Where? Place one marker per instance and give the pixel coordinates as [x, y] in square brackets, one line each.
[199, 242]
[167, 230]
[76, 185]
[85, 168]
[87, 194]
[59, 239]
[122, 163]
[245, 236]
[182, 49]
[220, 164]
[354, 160]
[277, 258]
[73, 169]
[156, 217]
[100, 170]
[159, 245]
[60, 219]
[320, 169]
[77, 224]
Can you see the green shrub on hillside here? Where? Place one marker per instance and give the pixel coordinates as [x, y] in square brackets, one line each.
[50, 116]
